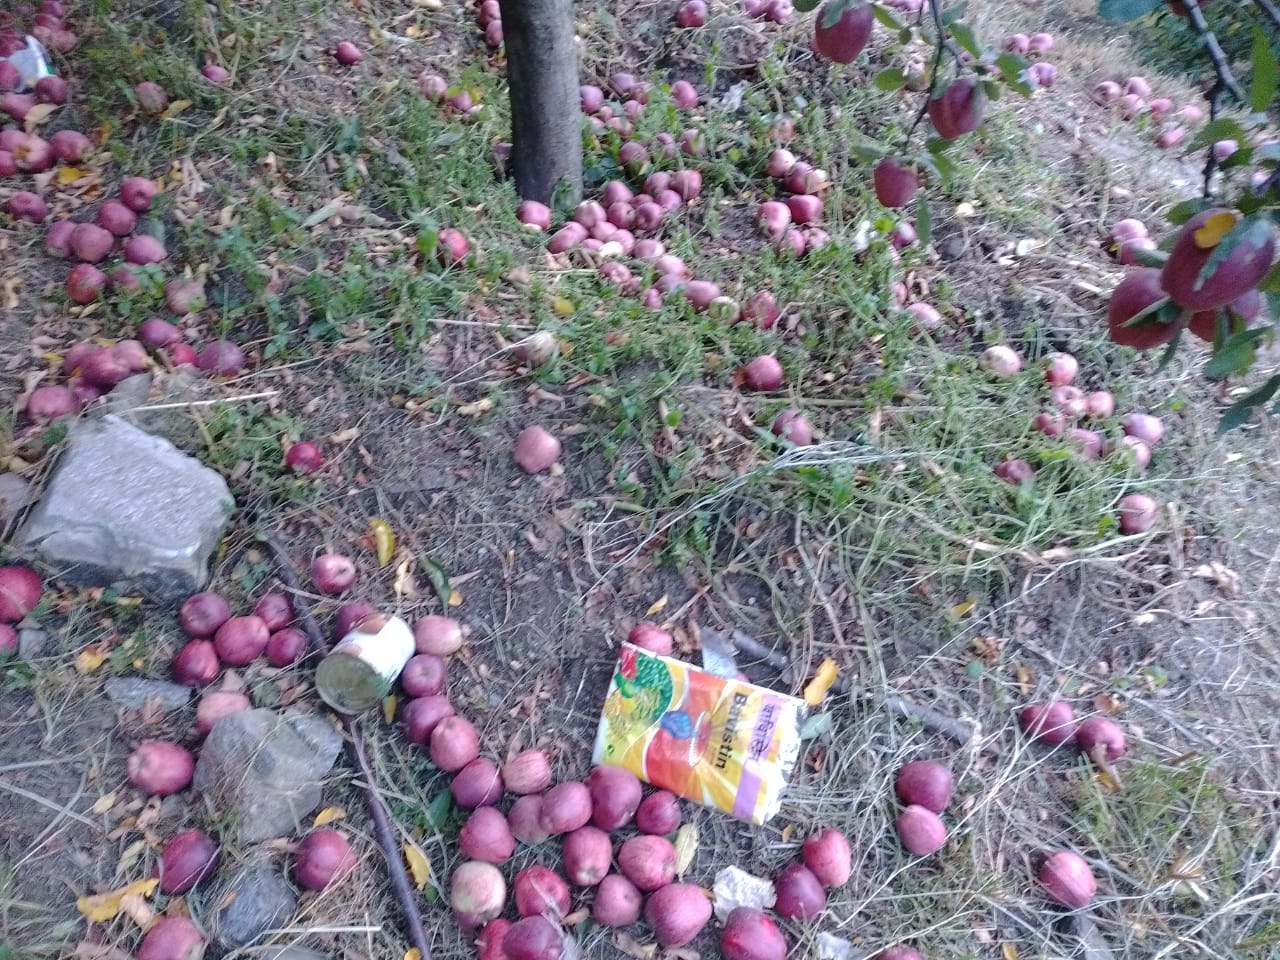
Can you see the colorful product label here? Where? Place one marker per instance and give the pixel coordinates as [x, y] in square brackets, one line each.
[720, 742]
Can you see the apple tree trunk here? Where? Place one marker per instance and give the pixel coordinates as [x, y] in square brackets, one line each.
[546, 120]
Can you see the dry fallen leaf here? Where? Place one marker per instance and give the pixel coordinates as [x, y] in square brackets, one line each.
[90, 658]
[101, 907]
[657, 606]
[686, 847]
[136, 908]
[37, 115]
[419, 866]
[633, 947]
[384, 540]
[413, 953]
[389, 707]
[476, 409]
[815, 690]
[328, 815]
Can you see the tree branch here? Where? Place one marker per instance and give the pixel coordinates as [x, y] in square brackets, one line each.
[1270, 9]
[1211, 161]
[960, 731]
[1217, 56]
[940, 45]
[396, 871]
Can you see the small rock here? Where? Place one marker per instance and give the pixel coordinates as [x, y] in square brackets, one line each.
[251, 901]
[165, 410]
[136, 692]
[33, 643]
[13, 497]
[130, 392]
[262, 771]
[125, 506]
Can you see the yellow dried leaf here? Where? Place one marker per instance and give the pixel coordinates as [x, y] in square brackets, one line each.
[135, 907]
[686, 846]
[964, 607]
[102, 907]
[404, 584]
[69, 175]
[328, 815]
[389, 707]
[131, 855]
[174, 109]
[10, 289]
[477, 408]
[413, 953]
[657, 606]
[413, 30]
[787, 832]
[562, 306]
[1008, 951]
[37, 115]
[90, 659]
[1214, 229]
[815, 690]
[419, 866]
[104, 803]
[455, 598]
[384, 540]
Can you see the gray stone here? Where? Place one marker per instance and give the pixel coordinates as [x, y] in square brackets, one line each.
[164, 410]
[249, 902]
[263, 771]
[13, 497]
[129, 393]
[126, 507]
[136, 692]
[33, 643]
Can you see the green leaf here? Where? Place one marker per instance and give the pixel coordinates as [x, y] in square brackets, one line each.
[886, 17]
[965, 37]
[436, 813]
[952, 14]
[1271, 282]
[804, 6]
[439, 578]
[1188, 209]
[1234, 356]
[832, 10]
[1122, 11]
[1013, 68]
[1262, 87]
[1170, 351]
[1240, 411]
[891, 79]
[991, 89]
[924, 222]
[1224, 128]
[1253, 230]
[1158, 312]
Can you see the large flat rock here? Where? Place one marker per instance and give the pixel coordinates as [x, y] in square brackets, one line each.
[124, 507]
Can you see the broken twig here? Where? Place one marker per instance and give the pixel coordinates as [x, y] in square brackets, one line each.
[396, 870]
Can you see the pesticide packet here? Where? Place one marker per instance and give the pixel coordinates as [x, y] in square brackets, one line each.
[717, 741]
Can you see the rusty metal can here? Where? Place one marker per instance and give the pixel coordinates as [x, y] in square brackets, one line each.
[364, 665]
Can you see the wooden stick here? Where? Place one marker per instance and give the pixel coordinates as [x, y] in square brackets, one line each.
[958, 730]
[396, 870]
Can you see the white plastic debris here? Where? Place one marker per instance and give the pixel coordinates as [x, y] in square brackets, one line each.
[736, 888]
[831, 947]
